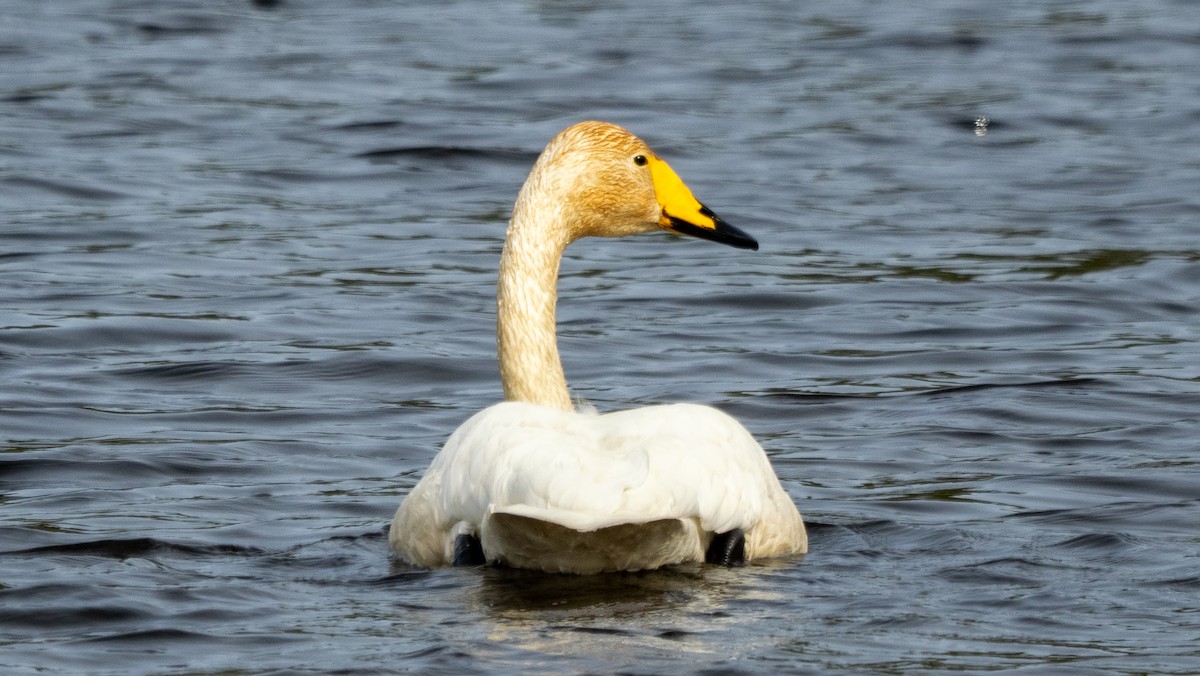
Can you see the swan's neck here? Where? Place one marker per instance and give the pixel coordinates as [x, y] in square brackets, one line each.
[526, 294]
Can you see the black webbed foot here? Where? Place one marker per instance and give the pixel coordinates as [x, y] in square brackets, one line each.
[727, 549]
[468, 551]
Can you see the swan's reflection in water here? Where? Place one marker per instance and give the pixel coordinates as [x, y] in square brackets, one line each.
[621, 618]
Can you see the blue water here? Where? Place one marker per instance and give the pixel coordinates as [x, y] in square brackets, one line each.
[248, 254]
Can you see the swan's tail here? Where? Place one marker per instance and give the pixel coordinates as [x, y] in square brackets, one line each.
[568, 542]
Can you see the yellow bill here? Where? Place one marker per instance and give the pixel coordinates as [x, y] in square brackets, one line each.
[682, 213]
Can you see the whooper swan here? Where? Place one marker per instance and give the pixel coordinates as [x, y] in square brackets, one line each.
[531, 482]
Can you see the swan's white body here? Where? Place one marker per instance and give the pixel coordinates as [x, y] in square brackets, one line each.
[545, 487]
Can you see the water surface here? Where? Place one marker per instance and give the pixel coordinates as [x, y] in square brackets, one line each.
[249, 252]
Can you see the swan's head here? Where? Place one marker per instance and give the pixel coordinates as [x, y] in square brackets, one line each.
[605, 182]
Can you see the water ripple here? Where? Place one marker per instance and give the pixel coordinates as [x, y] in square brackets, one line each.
[249, 256]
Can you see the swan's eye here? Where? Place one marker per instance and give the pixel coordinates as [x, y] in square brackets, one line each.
[639, 160]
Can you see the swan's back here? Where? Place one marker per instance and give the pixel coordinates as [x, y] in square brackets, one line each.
[663, 478]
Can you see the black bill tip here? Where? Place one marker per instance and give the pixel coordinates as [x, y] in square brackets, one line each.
[722, 233]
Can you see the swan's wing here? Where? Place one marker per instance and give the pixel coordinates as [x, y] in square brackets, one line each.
[702, 461]
[522, 454]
